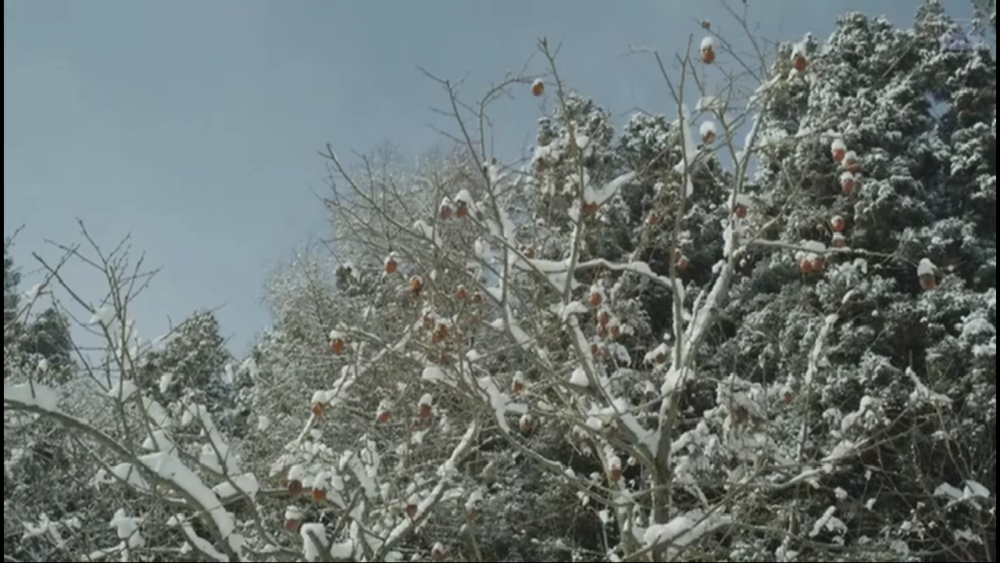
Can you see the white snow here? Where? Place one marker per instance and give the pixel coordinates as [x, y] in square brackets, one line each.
[499, 401]
[673, 380]
[975, 489]
[660, 351]
[293, 513]
[709, 103]
[165, 381]
[449, 467]
[976, 324]
[263, 423]
[32, 395]
[707, 43]
[475, 500]
[103, 316]
[433, 374]
[707, 129]
[926, 267]
[690, 150]
[579, 378]
[123, 390]
[828, 522]
[243, 484]
[819, 346]
[602, 195]
[170, 469]
[922, 393]
[34, 292]
[615, 463]
[685, 530]
[464, 197]
[128, 474]
[955, 495]
[127, 528]
[314, 541]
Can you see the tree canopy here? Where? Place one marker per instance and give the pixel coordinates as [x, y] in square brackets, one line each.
[759, 326]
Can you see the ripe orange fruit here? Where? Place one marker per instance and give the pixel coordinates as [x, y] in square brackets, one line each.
[848, 183]
[440, 334]
[596, 299]
[526, 424]
[852, 163]
[800, 62]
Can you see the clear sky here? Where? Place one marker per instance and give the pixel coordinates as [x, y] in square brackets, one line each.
[196, 125]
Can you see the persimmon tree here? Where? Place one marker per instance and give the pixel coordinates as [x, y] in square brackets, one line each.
[675, 306]
[763, 328]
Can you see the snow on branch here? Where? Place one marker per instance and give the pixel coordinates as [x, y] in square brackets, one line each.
[683, 531]
[32, 396]
[446, 473]
[190, 485]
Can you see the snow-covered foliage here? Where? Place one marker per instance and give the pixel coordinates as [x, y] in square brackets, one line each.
[687, 338]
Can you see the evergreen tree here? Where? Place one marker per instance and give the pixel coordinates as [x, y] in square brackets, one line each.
[45, 336]
[918, 118]
[11, 279]
[193, 366]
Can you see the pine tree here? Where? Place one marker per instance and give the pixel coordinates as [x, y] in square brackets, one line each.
[917, 116]
[193, 366]
[45, 336]
[11, 279]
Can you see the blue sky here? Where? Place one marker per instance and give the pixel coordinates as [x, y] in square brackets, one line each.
[196, 125]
